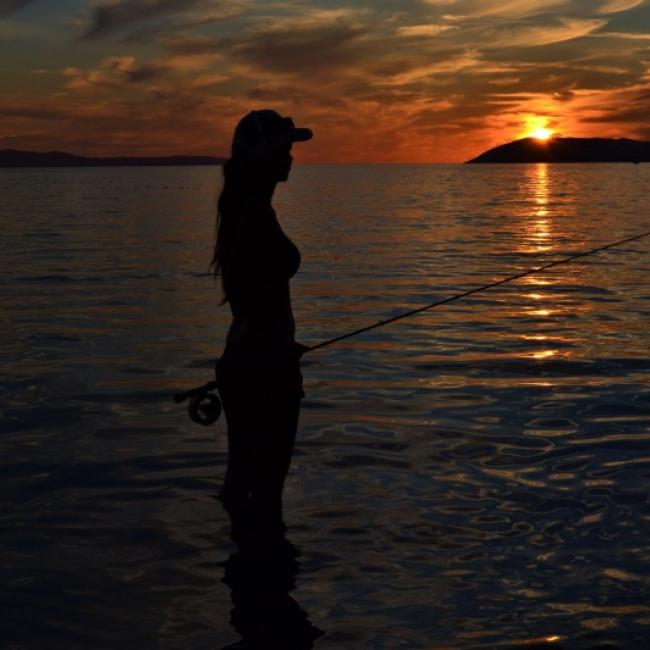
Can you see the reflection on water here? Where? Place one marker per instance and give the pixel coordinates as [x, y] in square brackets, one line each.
[540, 224]
[264, 614]
[473, 477]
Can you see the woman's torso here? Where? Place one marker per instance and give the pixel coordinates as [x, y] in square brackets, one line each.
[260, 344]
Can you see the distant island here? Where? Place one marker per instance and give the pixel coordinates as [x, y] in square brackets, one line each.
[567, 150]
[15, 158]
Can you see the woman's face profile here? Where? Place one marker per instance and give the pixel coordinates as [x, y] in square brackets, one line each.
[280, 160]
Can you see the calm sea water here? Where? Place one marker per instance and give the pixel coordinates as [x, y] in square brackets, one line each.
[473, 477]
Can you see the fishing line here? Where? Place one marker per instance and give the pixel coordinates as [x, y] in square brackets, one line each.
[484, 287]
[205, 407]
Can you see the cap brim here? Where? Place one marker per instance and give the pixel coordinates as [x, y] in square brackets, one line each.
[300, 135]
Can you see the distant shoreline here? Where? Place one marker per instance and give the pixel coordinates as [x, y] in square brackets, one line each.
[567, 150]
[16, 158]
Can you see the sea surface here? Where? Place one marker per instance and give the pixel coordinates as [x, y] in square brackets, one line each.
[475, 476]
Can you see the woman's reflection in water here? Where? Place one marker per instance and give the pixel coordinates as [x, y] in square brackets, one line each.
[260, 579]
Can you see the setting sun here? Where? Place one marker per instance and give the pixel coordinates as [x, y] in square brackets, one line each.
[541, 133]
[537, 126]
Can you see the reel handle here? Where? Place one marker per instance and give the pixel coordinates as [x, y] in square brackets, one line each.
[181, 397]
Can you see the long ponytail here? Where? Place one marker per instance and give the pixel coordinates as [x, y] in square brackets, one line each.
[228, 215]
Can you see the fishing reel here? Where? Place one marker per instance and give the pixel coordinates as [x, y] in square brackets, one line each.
[204, 407]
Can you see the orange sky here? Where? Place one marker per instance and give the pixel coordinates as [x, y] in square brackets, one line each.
[383, 81]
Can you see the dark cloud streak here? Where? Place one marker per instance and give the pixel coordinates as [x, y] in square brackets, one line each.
[8, 7]
[302, 50]
[32, 112]
[185, 45]
[110, 17]
[637, 110]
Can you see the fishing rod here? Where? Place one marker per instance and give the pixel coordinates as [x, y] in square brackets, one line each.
[205, 407]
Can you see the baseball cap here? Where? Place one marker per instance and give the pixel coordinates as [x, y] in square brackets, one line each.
[259, 131]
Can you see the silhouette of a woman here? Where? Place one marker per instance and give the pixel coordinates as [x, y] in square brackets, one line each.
[258, 374]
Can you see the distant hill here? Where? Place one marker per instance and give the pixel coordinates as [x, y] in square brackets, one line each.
[15, 158]
[567, 150]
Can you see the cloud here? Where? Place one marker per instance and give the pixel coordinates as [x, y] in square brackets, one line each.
[109, 16]
[504, 81]
[469, 59]
[11, 6]
[630, 36]
[564, 29]
[114, 72]
[15, 31]
[633, 107]
[423, 30]
[31, 111]
[311, 18]
[172, 74]
[512, 9]
[450, 69]
[615, 6]
[185, 44]
[300, 50]
[312, 28]
[118, 126]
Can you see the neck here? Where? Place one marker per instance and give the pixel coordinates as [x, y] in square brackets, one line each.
[258, 198]
[265, 192]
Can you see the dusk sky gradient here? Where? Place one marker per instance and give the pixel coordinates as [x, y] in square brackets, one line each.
[383, 81]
